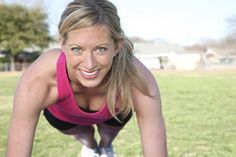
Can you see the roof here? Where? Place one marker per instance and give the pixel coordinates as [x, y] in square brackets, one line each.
[148, 48]
[224, 51]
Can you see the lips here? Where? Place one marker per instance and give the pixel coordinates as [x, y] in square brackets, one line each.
[89, 74]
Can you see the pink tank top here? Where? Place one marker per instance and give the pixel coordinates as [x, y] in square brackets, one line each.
[66, 108]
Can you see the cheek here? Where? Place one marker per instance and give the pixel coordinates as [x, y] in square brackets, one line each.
[107, 61]
[71, 60]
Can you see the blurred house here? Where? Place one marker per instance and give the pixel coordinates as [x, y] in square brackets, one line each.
[164, 55]
[220, 58]
[22, 60]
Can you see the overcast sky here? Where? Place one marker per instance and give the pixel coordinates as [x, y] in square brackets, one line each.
[180, 21]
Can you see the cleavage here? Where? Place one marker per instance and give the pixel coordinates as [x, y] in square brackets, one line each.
[90, 103]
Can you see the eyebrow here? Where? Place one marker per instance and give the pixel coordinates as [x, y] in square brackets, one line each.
[102, 44]
[74, 45]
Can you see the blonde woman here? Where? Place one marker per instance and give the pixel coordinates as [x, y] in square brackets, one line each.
[94, 80]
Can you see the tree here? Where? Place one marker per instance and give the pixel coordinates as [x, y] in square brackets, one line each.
[22, 28]
[231, 37]
[232, 24]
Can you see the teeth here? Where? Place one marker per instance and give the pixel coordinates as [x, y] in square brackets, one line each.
[89, 74]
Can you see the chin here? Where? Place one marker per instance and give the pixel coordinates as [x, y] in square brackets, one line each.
[90, 84]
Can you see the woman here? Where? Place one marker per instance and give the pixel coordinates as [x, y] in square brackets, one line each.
[93, 80]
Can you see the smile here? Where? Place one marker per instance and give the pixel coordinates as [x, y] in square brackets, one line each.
[89, 75]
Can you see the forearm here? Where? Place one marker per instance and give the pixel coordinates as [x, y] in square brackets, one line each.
[16, 148]
[153, 135]
[20, 138]
[154, 142]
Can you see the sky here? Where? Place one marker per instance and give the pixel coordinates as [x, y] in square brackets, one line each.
[183, 22]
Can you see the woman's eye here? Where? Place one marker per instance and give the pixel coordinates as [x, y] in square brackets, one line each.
[101, 50]
[76, 50]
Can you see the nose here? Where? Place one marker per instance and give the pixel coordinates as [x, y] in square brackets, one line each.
[89, 61]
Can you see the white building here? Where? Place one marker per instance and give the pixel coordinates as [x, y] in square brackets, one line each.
[165, 55]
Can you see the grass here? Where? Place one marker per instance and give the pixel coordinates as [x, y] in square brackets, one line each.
[199, 111]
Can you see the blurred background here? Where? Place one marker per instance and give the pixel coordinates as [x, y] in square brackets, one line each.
[170, 34]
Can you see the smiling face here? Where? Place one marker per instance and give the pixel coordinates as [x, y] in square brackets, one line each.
[89, 54]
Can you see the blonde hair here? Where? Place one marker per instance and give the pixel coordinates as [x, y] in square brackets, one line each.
[123, 75]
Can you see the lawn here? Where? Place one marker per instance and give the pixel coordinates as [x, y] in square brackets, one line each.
[199, 110]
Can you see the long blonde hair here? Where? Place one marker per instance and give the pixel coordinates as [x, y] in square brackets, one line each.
[123, 75]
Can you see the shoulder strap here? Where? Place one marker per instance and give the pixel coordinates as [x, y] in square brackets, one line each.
[62, 78]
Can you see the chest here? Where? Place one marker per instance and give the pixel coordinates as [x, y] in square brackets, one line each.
[90, 102]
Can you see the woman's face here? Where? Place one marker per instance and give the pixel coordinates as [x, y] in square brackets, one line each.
[89, 54]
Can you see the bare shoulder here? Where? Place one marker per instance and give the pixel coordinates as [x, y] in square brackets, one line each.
[46, 60]
[147, 76]
[45, 63]
[39, 79]
[44, 67]
[144, 104]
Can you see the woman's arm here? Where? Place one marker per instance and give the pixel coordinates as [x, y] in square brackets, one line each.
[33, 92]
[149, 116]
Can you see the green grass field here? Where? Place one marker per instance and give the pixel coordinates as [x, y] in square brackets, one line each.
[199, 111]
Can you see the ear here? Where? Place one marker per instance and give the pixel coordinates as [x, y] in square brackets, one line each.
[62, 43]
[119, 46]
